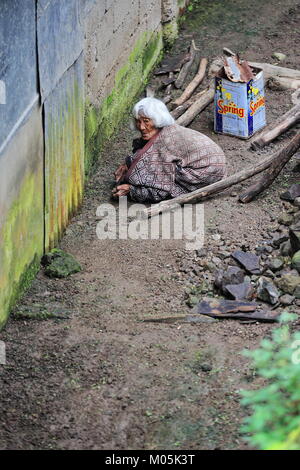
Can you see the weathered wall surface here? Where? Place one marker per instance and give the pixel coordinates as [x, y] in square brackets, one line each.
[21, 153]
[70, 70]
[122, 42]
[171, 9]
[22, 209]
[61, 71]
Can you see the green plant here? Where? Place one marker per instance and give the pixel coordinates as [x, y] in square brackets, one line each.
[275, 419]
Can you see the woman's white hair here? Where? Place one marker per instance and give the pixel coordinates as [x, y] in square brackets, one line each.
[154, 109]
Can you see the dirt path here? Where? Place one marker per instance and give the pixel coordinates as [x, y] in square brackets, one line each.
[100, 379]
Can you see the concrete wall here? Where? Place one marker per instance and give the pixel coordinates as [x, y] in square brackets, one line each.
[70, 71]
[21, 153]
[22, 210]
[123, 40]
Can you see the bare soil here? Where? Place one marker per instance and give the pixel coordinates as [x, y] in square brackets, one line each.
[95, 376]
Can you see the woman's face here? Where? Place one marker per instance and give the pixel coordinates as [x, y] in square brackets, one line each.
[146, 127]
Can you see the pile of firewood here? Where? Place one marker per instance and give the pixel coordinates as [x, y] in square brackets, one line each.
[188, 105]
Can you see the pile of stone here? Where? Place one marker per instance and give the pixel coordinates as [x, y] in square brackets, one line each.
[270, 275]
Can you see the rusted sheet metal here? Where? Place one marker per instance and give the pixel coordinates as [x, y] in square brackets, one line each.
[60, 39]
[18, 73]
[64, 151]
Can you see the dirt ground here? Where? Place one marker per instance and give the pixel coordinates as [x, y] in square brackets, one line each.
[96, 377]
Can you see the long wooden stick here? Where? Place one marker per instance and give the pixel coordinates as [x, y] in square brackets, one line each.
[296, 97]
[197, 106]
[283, 83]
[273, 171]
[193, 84]
[275, 71]
[183, 107]
[200, 194]
[281, 125]
[186, 67]
[269, 69]
[168, 96]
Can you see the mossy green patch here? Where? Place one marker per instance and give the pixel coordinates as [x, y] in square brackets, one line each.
[64, 158]
[102, 123]
[170, 33]
[21, 243]
[38, 311]
[60, 264]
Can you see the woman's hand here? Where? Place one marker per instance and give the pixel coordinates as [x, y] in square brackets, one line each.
[120, 172]
[121, 190]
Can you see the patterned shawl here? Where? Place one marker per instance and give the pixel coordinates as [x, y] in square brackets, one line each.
[175, 161]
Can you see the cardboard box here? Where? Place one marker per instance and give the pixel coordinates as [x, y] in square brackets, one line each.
[239, 107]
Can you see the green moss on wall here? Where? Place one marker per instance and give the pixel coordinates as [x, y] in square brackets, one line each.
[101, 124]
[21, 243]
[64, 159]
[170, 33]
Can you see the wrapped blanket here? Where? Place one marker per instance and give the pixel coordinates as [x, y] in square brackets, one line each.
[175, 161]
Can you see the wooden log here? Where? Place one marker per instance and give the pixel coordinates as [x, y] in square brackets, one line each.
[172, 64]
[281, 125]
[283, 83]
[228, 52]
[282, 157]
[269, 69]
[183, 107]
[296, 97]
[197, 106]
[193, 84]
[202, 193]
[215, 66]
[150, 92]
[168, 97]
[276, 71]
[186, 67]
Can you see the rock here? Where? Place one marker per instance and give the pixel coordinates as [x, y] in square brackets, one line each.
[279, 56]
[206, 367]
[224, 254]
[295, 240]
[216, 237]
[202, 252]
[192, 301]
[286, 299]
[297, 292]
[288, 283]
[60, 264]
[269, 273]
[296, 218]
[291, 193]
[280, 238]
[233, 275]
[285, 248]
[267, 291]
[216, 260]
[285, 219]
[275, 264]
[248, 261]
[209, 266]
[243, 291]
[296, 261]
[261, 249]
[197, 270]
[297, 201]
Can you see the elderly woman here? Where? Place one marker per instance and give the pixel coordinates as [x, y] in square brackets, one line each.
[168, 160]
